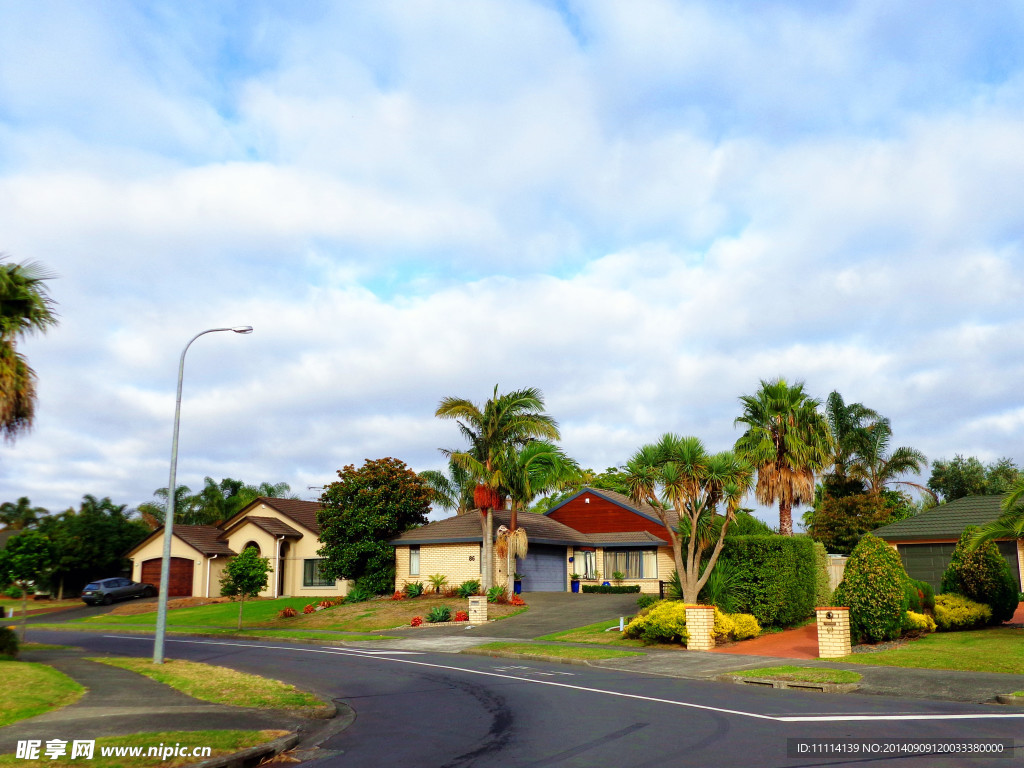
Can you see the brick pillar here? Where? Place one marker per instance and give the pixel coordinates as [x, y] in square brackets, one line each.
[700, 620]
[478, 609]
[833, 632]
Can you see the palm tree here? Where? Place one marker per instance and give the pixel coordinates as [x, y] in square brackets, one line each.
[1010, 524]
[787, 440]
[25, 307]
[153, 513]
[678, 475]
[847, 423]
[19, 515]
[505, 421]
[453, 490]
[876, 467]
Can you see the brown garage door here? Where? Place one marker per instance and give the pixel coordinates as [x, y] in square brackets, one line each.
[180, 584]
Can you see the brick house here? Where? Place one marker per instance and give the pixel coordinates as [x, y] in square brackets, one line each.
[594, 533]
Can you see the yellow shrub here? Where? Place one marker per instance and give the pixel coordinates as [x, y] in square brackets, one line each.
[663, 623]
[916, 622]
[724, 626]
[954, 612]
[745, 626]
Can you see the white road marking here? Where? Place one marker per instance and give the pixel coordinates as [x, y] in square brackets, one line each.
[637, 697]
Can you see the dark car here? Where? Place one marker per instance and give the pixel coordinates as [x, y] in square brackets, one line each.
[106, 591]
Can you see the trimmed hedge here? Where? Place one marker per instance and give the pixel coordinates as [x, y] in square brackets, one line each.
[776, 580]
[603, 590]
[873, 589]
[955, 612]
[665, 622]
[982, 575]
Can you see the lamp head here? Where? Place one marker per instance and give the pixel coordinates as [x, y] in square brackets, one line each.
[243, 329]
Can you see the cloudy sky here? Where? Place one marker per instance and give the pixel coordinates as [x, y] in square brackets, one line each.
[642, 208]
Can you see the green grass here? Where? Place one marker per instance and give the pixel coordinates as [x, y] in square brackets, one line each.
[246, 634]
[254, 613]
[801, 674]
[997, 649]
[220, 684]
[556, 651]
[220, 743]
[595, 633]
[31, 689]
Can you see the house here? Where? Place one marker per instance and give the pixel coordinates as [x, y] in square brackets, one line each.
[594, 533]
[926, 541]
[284, 530]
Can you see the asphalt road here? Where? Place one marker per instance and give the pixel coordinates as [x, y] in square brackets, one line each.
[425, 710]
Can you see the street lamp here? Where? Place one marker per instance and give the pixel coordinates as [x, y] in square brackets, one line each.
[165, 565]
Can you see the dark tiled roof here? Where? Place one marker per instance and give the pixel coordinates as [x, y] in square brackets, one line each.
[946, 521]
[302, 512]
[623, 501]
[626, 538]
[464, 528]
[204, 538]
[273, 526]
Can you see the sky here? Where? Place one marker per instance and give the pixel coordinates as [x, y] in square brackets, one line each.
[642, 209]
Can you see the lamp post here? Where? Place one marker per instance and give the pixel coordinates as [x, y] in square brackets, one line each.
[165, 565]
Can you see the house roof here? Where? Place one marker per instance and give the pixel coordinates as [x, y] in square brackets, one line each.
[204, 538]
[620, 499]
[273, 526]
[626, 539]
[296, 510]
[465, 528]
[946, 521]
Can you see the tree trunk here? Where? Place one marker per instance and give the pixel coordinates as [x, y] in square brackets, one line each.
[241, 602]
[60, 589]
[785, 518]
[488, 563]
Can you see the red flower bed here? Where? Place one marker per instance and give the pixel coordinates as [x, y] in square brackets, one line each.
[398, 596]
[327, 603]
[416, 621]
[309, 609]
[516, 600]
[461, 616]
[288, 613]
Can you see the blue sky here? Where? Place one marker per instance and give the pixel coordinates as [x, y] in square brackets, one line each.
[641, 208]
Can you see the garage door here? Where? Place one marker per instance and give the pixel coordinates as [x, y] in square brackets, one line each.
[928, 562]
[543, 569]
[180, 584]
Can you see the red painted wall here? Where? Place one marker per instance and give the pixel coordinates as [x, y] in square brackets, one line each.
[602, 516]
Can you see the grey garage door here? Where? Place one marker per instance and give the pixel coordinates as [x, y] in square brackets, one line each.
[928, 562]
[543, 569]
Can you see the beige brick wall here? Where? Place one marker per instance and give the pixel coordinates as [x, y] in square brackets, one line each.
[453, 560]
[700, 621]
[833, 632]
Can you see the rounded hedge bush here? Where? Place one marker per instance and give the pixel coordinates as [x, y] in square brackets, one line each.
[982, 575]
[664, 622]
[955, 612]
[873, 589]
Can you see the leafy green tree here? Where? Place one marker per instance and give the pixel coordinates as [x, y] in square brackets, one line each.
[968, 476]
[19, 515]
[840, 522]
[979, 572]
[504, 422]
[873, 589]
[679, 473]
[25, 307]
[245, 576]
[26, 561]
[361, 512]
[786, 440]
[90, 543]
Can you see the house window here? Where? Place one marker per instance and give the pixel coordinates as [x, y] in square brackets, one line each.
[312, 575]
[589, 565]
[633, 563]
[414, 561]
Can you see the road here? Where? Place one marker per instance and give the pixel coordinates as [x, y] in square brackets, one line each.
[433, 709]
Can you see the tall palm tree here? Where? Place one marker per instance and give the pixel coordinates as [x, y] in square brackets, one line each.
[1010, 524]
[25, 307]
[787, 440]
[847, 422]
[678, 475]
[510, 420]
[877, 467]
[452, 490]
[19, 515]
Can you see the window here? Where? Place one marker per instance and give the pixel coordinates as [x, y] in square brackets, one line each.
[589, 565]
[312, 576]
[414, 561]
[633, 563]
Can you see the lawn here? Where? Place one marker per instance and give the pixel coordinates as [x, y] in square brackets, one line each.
[220, 684]
[595, 633]
[800, 674]
[356, 617]
[31, 689]
[319, 636]
[997, 649]
[220, 743]
[555, 651]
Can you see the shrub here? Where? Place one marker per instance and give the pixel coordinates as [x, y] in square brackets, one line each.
[461, 616]
[326, 603]
[359, 594]
[398, 595]
[14, 592]
[822, 591]
[618, 577]
[516, 600]
[610, 590]
[468, 588]
[734, 626]
[497, 594]
[8, 642]
[720, 588]
[872, 588]
[439, 613]
[437, 581]
[288, 613]
[663, 623]
[416, 621]
[956, 612]
[309, 609]
[776, 582]
[920, 596]
[449, 590]
[918, 623]
[982, 575]
[839, 523]
[414, 589]
[645, 601]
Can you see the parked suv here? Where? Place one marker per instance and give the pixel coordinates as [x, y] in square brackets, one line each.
[106, 591]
